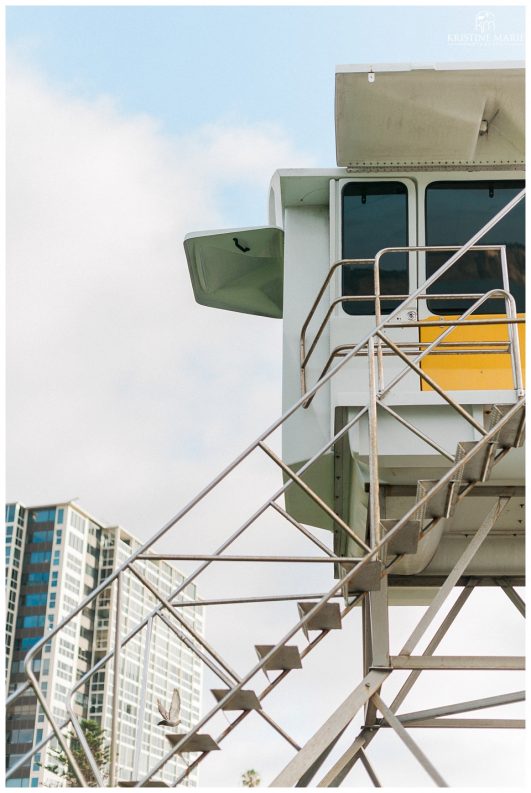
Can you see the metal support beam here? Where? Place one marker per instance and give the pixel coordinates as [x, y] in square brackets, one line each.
[377, 637]
[467, 724]
[301, 528]
[374, 476]
[370, 770]
[509, 662]
[459, 568]
[191, 557]
[408, 740]
[343, 766]
[143, 691]
[337, 722]
[306, 778]
[113, 751]
[513, 596]
[464, 707]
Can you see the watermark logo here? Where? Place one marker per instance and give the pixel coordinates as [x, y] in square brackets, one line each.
[485, 22]
[484, 33]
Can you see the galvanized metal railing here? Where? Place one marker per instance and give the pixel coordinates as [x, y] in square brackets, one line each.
[368, 346]
[486, 347]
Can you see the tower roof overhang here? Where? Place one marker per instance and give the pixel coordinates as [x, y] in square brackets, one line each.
[444, 114]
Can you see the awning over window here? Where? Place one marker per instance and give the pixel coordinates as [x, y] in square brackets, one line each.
[238, 269]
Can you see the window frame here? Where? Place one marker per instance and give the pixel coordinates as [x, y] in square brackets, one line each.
[336, 221]
[423, 180]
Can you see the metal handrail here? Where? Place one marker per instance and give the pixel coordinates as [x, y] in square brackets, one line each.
[450, 325]
[31, 679]
[377, 297]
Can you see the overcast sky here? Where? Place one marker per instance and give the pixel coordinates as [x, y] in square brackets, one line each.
[128, 128]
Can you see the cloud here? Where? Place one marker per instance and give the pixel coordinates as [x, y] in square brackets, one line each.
[121, 390]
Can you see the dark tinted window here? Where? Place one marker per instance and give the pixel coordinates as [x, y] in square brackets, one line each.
[455, 211]
[374, 216]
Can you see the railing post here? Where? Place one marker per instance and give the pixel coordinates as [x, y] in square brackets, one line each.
[512, 327]
[378, 319]
[374, 505]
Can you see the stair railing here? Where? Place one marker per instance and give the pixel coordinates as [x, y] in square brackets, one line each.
[511, 315]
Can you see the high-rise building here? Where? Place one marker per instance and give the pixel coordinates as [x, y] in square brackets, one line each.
[55, 556]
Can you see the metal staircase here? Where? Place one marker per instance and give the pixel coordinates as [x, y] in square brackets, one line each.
[363, 579]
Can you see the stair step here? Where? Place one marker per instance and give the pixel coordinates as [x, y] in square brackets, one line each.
[286, 657]
[369, 578]
[245, 699]
[442, 504]
[200, 742]
[479, 468]
[134, 783]
[327, 618]
[511, 434]
[406, 540]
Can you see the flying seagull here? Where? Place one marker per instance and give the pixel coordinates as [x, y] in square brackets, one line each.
[170, 718]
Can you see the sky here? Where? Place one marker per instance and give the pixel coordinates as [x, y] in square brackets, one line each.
[128, 127]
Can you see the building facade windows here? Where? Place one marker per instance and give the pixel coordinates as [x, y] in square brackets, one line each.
[42, 516]
[41, 536]
[35, 599]
[89, 554]
[40, 557]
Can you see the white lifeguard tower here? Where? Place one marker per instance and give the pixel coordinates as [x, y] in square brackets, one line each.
[399, 278]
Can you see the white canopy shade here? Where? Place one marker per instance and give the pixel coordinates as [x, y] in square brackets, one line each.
[422, 115]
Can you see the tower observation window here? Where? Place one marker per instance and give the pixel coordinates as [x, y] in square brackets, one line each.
[455, 211]
[374, 216]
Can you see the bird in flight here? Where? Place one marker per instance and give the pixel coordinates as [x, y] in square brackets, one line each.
[170, 717]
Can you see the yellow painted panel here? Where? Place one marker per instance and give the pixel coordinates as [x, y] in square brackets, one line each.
[470, 371]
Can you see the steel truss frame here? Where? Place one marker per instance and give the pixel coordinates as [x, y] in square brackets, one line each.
[379, 663]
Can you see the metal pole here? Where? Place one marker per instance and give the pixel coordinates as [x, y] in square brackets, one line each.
[250, 558]
[463, 707]
[417, 432]
[374, 477]
[85, 746]
[512, 329]
[143, 691]
[113, 753]
[453, 662]
[467, 724]
[408, 740]
[370, 770]
[378, 319]
[301, 528]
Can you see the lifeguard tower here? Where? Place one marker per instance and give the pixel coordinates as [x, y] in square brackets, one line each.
[399, 278]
